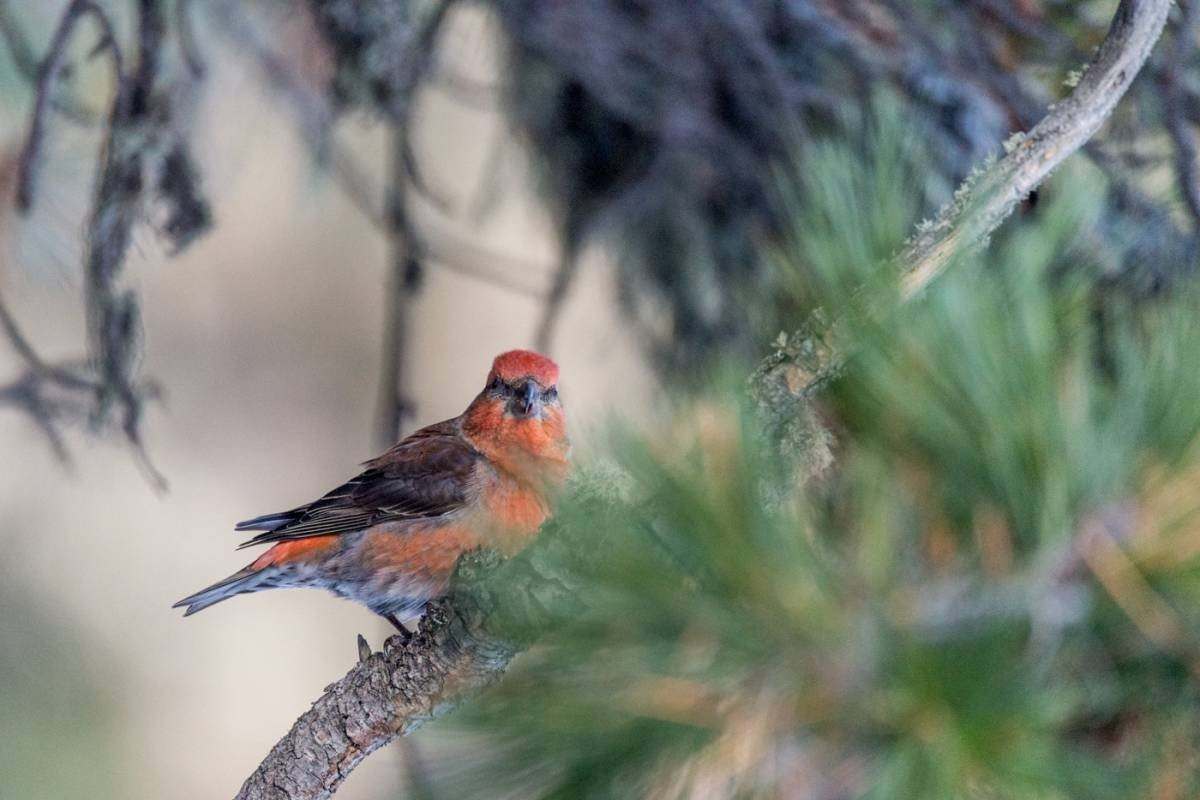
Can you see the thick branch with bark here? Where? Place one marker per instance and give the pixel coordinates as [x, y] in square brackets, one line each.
[465, 642]
[459, 648]
[386, 695]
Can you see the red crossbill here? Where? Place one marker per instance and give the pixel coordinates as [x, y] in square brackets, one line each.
[389, 538]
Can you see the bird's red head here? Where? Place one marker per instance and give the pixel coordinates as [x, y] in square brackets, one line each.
[517, 420]
[514, 365]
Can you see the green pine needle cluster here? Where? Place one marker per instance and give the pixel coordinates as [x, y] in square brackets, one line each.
[991, 593]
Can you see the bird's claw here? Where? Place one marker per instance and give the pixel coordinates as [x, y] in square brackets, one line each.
[364, 649]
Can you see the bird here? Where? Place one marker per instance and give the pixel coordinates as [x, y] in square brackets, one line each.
[389, 538]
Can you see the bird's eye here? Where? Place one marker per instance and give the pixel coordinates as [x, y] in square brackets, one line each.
[551, 394]
[496, 384]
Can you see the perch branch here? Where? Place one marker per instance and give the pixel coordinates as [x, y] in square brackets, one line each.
[395, 691]
[385, 696]
[465, 641]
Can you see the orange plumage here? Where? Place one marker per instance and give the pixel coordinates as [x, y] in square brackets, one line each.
[390, 537]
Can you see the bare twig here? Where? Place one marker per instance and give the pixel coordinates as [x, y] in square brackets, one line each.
[27, 65]
[444, 244]
[50, 394]
[552, 307]
[33, 362]
[48, 71]
[187, 39]
[407, 257]
[442, 240]
[18, 341]
[18, 45]
[403, 281]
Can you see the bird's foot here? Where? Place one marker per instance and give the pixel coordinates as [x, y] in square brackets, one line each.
[405, 634]
[364, 649]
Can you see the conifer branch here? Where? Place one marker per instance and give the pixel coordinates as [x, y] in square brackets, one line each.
[804, 362]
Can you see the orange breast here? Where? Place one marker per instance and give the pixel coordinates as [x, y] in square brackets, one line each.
[426, 553]
[512, 513]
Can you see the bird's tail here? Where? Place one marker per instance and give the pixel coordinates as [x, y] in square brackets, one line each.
[243, 581]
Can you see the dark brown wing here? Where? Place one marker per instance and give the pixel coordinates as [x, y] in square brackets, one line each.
[428, 474]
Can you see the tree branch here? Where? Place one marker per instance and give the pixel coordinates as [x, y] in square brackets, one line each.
[564, 276]
[457, 649]
[986, 200]
[47, 71]
[388, 695]
[144, 159]
[465, 642]
[404, 280]
[443, 243]
[807, 360]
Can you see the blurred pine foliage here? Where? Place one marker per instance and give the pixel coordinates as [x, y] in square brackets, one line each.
[991, 593]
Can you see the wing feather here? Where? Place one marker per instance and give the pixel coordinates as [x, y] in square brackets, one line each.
[426, 475]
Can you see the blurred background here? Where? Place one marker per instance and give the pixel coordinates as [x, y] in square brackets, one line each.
[265, 336]
[349, 208]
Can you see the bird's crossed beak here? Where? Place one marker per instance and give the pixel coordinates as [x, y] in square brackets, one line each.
[528, 401]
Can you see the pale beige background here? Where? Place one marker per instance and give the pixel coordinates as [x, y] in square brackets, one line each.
[265, 336]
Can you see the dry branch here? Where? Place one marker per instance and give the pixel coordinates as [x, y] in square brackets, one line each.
[144, 159]
[803, 364]
[47, 72]
[986, 201]
[456, 652]
[465, 641]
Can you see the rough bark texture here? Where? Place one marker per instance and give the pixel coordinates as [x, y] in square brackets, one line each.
[387, 695]
[458, 649]
[465, 641]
